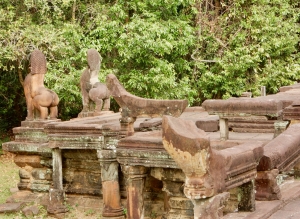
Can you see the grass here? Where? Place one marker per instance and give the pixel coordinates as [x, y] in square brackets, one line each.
[2, 140]
[9, 177]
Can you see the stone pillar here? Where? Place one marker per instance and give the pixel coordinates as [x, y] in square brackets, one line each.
[224, 130]
[110, 185]
[267, 188]
[127, 128]
[56, 194]
[57, 169]
[176, 203]
[263, 91]
[127, 123]
[135, 190]
[210, 208]
[247, 193]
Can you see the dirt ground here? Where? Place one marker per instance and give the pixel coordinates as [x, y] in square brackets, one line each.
[9, 177]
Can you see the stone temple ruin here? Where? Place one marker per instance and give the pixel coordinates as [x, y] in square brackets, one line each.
[161, 158]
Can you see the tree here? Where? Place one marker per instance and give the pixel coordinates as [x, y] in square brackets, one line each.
[243, 45]
[166, 49]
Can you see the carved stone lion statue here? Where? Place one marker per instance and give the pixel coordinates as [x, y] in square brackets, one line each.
[95, 95]
[39, 99]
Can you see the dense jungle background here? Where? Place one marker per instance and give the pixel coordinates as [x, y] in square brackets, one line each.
[170, 49]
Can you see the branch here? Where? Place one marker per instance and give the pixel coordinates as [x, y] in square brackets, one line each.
[201, 60]
[74, 11]
[20, 73]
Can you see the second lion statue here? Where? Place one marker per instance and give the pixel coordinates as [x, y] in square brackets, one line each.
[95, 95]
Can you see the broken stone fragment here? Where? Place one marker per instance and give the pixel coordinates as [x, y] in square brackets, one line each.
[11, 207]
[30, 211]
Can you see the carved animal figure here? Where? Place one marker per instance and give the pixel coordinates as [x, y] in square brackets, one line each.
[91, 88]
[39, 99]
[138, 106]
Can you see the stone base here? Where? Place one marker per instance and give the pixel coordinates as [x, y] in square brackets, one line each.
[85, 114]
[266, 186]
[93, 113]
[38, 123]
[56, 206]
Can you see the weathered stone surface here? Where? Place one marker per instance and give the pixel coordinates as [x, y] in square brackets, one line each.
[10, 207]
[287, 88]
[150, 151]
[42, 174]
[38, 98]
[241, 162]
[208, 124]
[135, 176]
[137, 106]
[244, 107]
[27, 134]
[24, 174]
[150, 125]
[95, 95]
[180, 207]
[266, 186]
[292, 112]
[81, 172]
[210, 208]
[40, 185]
[168, 174]
[283, 151]
[36, 124]
[56, 203]
[27, 148]
[209, 172]
[30, 211]
[258, 124]
[28, 160]
[191, 151]
[21, 196]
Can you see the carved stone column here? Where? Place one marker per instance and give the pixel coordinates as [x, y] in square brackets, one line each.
[178, 205]
[110, 185]
[135, 190]
[242, 198]
[127, 123]
[247, 202]
[56, 194]
[57, 169]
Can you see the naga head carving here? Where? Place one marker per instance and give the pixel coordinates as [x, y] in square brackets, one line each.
[38, 63]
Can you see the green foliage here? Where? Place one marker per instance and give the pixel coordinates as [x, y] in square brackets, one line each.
[193, 49]
[253, 44]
